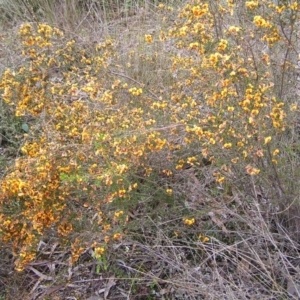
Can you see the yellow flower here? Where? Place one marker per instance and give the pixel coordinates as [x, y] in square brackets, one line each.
[135, 92]
[98, 252]
[235, 160]
[280, 9]
[233, 29]
[203, 238]
[85, 136]
[199, 11]
[268, 139]
[189, 222]
[108, 180]
[117, 236]
[64, 229]
[191, 160]
[294, 6]
[25, 29]
[167, 172]
[259, 21]
[251, 170]
[169, 191]
[222, 45]
[220, 179]
[214, 58]
[148, 38]
[251, 120]
[121, 169]
[106, 227]
[194, 46]
[179, 166]
[227, 146]
[121, 193]
[293, 107]
[212, 141]
[119, 213]
[251, 4]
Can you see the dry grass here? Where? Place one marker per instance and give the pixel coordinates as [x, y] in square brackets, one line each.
[248, 256]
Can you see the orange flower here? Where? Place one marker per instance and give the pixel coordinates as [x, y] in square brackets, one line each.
[117, 236]
[252, 171]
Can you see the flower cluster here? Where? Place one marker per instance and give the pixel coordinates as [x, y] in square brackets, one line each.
[78, 150]
[243, 109]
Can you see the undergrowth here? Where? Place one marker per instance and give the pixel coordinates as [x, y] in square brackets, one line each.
[177, 141]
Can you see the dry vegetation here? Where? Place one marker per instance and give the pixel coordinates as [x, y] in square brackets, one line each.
[149, 150]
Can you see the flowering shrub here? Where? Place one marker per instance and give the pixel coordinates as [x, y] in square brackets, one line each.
[95, 131]
[87, 135]
[225, 92]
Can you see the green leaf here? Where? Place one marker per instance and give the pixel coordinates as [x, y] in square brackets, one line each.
[25, 127]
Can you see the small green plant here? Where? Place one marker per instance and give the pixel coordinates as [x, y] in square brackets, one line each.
[102, 263]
